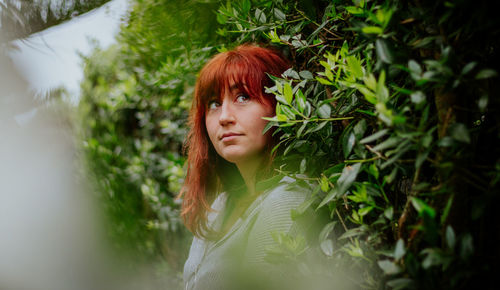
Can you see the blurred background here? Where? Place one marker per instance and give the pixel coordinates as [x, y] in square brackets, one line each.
[93, 100]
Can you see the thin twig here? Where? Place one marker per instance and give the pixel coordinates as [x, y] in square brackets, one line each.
[343, 224]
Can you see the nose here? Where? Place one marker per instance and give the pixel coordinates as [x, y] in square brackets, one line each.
[226, 116]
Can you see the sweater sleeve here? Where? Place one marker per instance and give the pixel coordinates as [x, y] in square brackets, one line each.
[274, 217]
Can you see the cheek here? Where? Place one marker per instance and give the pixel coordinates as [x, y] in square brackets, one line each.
[258, 123]
[211, 128]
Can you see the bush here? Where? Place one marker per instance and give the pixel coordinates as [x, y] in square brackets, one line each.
[389, 109]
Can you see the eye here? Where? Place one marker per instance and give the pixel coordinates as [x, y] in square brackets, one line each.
[213, 104]
[242, 98]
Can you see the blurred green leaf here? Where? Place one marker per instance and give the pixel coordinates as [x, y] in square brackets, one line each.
[384, 51]
[422, 208]
[260, 16]
[486, 74]
[460, 133]
[324, 111]
[389, 267]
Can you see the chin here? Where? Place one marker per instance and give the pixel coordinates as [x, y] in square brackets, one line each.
[235, 156]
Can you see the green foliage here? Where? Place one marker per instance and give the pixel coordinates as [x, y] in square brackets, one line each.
[134, 104]
[389, 110]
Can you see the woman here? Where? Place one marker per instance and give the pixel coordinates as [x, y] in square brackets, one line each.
[227, 154]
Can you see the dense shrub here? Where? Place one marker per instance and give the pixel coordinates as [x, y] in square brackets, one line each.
[389, 110]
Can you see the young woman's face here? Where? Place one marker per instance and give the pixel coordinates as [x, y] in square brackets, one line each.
[234, 125]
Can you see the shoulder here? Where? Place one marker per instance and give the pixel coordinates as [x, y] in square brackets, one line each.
[274, 216]
[275, 210]
[285, 195]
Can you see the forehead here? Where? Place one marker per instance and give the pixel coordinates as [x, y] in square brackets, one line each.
[228, 82]
[230, 73]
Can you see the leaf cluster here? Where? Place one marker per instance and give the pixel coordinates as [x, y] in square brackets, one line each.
[388, 115]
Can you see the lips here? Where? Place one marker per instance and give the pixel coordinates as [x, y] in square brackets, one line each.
[229, 136]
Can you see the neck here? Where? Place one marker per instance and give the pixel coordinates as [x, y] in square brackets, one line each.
[248, 171]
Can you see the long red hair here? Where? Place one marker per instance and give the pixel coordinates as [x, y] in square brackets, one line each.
[208, 174]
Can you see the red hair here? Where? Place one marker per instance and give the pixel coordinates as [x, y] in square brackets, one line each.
[247, 66]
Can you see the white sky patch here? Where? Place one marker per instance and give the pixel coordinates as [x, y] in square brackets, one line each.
[50, 59]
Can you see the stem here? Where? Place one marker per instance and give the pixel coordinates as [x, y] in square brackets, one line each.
[406, 210]
[343, 224]
[317, 24]
[362, 160]
[315, 120]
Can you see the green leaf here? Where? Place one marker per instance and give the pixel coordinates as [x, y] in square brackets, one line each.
[360, 128]
[324, 111]
[324, 184]
[400, 283]
[281, 99]
[301, 129]
[288, 112]
[433, 257]
[372, 30]
[421, 157]
[422, 208]
[447, 209]
[317, 127]
[351, 233]
[467, 246]
[354, 10]
[369, 95]
[281, 118]
[400, 250]
[301, 209]
[373, 170]
[355, 66]
[414, 67]
[389, 212]
[389, 143]
[291, 73]
[348, 141]
[327, 247]
[486, 73]
[327, 229]
[469, 67]
[268, 183]
[325, 64]
[374, 136]
[382, 90]
[418, 98]
[334, 169]
[306, 75]
[370, 82]
[303, 165]
[307, 109]
[260, 16]
[384, 51]
[245, 6]
[450, 237]
[324, 81]
[300, 100]
[345, 181]
[279, 14]
[268, 126]
[287, 93]
[221, 18]
[460, 133]
[389, 267]
[482, 103]
[365, 210]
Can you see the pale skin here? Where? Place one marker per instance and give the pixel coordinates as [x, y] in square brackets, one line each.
[234, 125]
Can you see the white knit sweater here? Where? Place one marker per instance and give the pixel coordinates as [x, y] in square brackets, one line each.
[211, 264]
